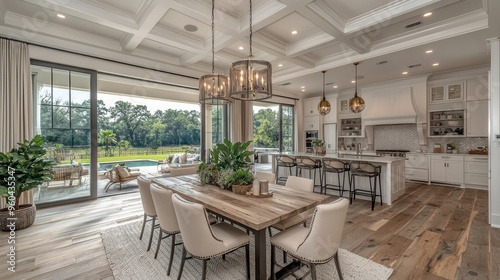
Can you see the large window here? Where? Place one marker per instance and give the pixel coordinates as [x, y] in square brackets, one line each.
[63, 118]
[273, 127]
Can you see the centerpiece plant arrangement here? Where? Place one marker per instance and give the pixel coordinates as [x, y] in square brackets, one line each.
[22, 169]
[230, 165]
[319, 146]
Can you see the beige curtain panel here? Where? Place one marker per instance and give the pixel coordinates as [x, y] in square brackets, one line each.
[16, 99]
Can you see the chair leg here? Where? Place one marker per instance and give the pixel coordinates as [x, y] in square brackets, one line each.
[159, 242]
[270, 233]
[204, 272]
[284, 257]
[337, 264]
[152, 231]
[247, 260]
[143, 226]
[380, 187]
[273, 259]
[183, 259]
[373, 192]
[172, 249]
[312, 267]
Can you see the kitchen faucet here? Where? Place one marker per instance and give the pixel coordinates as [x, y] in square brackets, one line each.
[359, 152]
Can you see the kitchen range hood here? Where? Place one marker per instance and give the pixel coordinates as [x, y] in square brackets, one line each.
[389, 107]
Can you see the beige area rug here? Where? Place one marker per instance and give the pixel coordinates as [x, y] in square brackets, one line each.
[128, 259]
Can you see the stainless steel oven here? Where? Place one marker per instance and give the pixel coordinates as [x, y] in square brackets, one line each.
[310, 136]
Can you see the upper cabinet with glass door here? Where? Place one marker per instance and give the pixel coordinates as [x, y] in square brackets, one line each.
[447, 92]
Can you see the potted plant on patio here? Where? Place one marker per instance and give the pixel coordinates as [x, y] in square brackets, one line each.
[22, 169]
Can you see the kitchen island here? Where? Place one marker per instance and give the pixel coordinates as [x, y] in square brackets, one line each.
[392, 175]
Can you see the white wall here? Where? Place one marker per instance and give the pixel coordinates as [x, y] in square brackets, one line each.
[494, 147]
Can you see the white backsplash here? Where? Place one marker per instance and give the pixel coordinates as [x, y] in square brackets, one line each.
[404, 137]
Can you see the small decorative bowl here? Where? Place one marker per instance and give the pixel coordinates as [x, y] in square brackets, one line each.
[453, 122]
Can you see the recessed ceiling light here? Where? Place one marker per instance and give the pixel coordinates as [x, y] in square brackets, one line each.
[404, 73]
[241, 48]
[335, 86]
[61, 16]
[428, 51]
[353, 82]
[280, 65]
[294, 32]
[302, 87]
[435, 64]
[303, 90]
[427, 14]
[190, 28]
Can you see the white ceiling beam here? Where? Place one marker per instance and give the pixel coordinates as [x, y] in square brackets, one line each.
[308, 44]
[3, 11]
[174, 39]
[149, 19]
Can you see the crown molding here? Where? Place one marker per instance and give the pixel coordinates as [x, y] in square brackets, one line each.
[322, 9]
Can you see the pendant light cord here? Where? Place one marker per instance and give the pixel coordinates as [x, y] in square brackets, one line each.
[251, 29]
[213, 36]
[356, 79]
[324, 84]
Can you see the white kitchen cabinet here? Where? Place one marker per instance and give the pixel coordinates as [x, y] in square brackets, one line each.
[332, 116]
[447, 169]
[449, 123]
[311, 106]
[311, 123]
[447, 92]
[476, 171]
[417, 167]
[351, 127]
[477, 89]
[477, 118]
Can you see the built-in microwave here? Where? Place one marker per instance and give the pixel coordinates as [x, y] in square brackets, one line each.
[311, 134]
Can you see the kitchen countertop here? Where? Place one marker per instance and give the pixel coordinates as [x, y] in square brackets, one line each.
[473, 155]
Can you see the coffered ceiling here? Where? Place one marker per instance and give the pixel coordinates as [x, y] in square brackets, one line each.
[175, 35]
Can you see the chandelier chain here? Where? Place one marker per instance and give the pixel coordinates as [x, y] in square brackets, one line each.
[251, 28]
[213, 36]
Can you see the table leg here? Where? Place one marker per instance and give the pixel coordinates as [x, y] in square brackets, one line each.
[260, 254]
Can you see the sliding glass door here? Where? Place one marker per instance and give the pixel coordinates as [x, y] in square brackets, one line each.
[63, 118]
[273, 127]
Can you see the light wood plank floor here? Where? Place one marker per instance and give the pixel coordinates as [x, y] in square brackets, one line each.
[432, 232]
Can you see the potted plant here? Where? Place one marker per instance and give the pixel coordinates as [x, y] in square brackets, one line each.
[241, 181]
[22, 169]
[319, 146]
[225, 159]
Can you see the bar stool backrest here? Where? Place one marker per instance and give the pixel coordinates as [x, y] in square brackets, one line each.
[331, 163]
[365, 167]
[283, 160]
[306, 161]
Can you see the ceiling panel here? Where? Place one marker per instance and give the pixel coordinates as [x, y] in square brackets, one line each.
[131, 7]
[354, 8]
[162, 48]
[176, 21]
[281, 30]
[236, 8]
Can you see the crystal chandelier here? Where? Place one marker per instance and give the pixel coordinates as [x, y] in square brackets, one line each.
[356, 104]
[214, 88]
[251, 79]
[324, 106]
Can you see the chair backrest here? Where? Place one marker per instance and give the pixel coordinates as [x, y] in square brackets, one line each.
[265, 176]
[300, 183]
[331, 163]
[364, 167]
[164, 208]
[146, 198]
[325, 232]
[306, 161]
[183, 171]
[283, 160]
[196, 232]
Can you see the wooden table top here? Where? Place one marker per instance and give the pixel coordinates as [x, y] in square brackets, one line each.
[255, 213]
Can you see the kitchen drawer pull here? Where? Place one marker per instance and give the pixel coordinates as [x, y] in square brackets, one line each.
[444, 157]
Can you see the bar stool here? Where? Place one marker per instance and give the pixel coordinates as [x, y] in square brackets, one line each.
[331, 165]
[284, 161]
[307, 163]
[365, 169]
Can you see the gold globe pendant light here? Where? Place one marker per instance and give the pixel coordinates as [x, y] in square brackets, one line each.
[356, 104]
[324, 106]
[214, 88]
[251, 79]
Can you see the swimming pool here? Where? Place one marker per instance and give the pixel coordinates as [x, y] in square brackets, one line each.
[129, 163]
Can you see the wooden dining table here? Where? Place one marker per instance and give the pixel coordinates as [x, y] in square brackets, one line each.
[252, 213]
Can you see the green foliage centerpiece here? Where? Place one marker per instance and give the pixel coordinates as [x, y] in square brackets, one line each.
[230, 165]
[21, 170]
[319, 146]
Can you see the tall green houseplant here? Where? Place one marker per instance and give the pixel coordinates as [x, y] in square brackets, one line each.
[23, 169]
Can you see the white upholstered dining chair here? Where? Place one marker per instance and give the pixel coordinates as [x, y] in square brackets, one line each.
[317, 244]
[204, 241]
[148, 206]
[166, 216]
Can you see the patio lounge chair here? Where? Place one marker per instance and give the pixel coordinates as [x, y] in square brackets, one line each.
[119, 175]
[68, 173]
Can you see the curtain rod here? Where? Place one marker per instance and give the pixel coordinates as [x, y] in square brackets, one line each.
[128, 64]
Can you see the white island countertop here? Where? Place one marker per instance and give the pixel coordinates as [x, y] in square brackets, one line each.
[392, 174]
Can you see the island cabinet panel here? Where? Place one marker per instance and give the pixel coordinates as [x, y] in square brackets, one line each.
[447, 169]
[417, 167]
